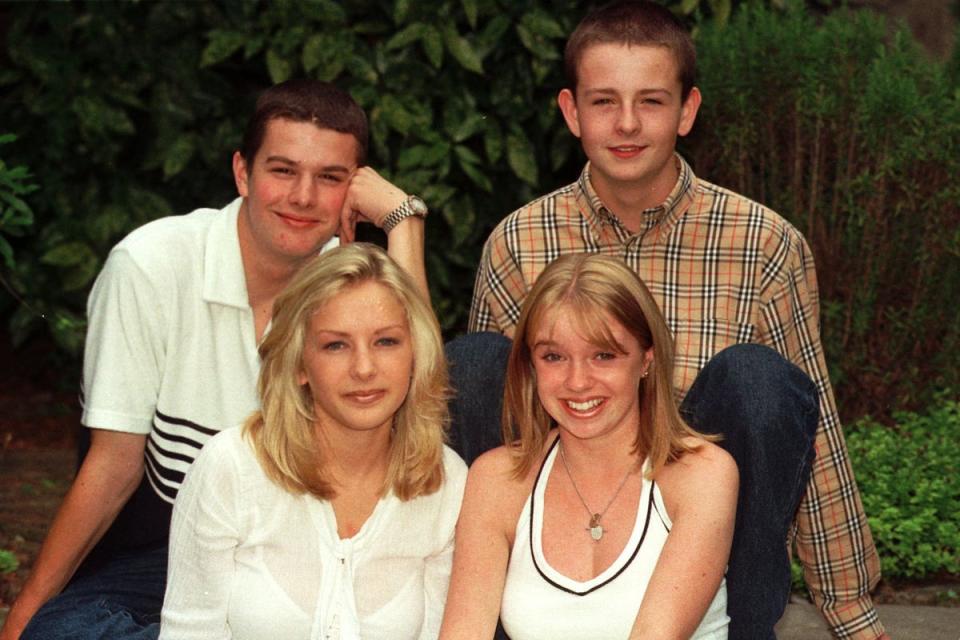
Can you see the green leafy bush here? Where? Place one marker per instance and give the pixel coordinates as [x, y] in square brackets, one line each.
[854, 136]
[909, 478]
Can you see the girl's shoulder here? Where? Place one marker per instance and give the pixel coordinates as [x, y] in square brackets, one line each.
[706, 472]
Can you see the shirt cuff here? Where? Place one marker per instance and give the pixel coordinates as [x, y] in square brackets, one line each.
[856, 620]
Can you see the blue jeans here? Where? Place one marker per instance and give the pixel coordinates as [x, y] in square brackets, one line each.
[120, 598]
[766, 409]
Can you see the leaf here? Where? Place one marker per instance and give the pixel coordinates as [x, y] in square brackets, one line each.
[476, 174]
[278, 67]
[493, 32]
[313, 52]
[470, 9]
[97, 116]
[436, 154]
[461, 215]
[689, 6]
[6, 252]
[432, 43]
[253, 46]
[401, 8]
[146, 205]
[520, 157]
[462, 50]
[17, 212]
[493, 142]
[222, 45]
[324, 12]
[538, 46]
[396, 115]
[437, 195]
[108, 224]
[178, 155]
[67, 254]
[411, 157]
[541, 24]
[81, 275]
[326, 55]
[406, 36]
[467, 155]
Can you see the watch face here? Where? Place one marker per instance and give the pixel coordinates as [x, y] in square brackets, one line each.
[418, 206]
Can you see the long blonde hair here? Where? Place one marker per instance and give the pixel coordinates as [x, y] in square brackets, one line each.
[594, 288]
[282, 433]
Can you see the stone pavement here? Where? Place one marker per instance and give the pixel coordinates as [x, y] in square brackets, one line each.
[802, 622]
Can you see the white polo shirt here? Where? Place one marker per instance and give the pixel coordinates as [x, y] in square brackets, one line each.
[171, 351]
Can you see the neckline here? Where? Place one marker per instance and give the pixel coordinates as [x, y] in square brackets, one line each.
[621, 562]
[326, 520]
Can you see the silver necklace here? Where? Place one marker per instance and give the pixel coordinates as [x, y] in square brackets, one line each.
[595, 528]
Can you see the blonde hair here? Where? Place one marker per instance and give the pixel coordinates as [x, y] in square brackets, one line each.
[594, 288]
[282, 432]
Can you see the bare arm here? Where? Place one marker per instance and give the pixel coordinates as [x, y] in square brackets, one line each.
[481, 551]
[108, 477]
[700, 492]
[370, 198]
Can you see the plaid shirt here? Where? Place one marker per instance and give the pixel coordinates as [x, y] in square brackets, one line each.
[724, 270]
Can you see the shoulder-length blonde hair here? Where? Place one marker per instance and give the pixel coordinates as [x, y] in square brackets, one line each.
[282, 432]
[594, 288]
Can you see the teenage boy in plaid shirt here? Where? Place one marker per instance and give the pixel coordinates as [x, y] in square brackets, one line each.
[725, 271]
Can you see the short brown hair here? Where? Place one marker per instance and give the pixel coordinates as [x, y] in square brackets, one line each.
[281, 432]
[635, 23]
[594, 288]
[305, 100]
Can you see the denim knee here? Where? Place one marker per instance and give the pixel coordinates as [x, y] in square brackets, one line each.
[478, 366]
[750, 384]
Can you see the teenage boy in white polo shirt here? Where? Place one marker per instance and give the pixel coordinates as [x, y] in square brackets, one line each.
[171, 354]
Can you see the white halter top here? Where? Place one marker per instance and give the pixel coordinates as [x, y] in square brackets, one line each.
[540, 602]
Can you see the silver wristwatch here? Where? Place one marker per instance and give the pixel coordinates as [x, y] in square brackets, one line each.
[412, 206]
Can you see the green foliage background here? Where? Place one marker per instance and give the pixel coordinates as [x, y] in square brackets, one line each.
[129, 111]
[121, 112]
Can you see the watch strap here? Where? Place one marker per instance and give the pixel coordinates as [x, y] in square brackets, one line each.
[411, 206]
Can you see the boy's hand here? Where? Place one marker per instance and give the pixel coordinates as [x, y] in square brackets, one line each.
[370, 198]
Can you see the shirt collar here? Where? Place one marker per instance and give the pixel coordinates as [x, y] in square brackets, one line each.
[224, 281]
[664, 214]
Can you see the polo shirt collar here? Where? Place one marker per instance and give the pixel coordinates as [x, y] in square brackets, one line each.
[224, 281]
[664, 214]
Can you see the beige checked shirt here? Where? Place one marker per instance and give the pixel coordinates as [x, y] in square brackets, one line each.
[725, 270]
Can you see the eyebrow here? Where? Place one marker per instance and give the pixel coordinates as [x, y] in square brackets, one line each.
[542, 343]
[386, 329]
[605, 91]
[334, 168]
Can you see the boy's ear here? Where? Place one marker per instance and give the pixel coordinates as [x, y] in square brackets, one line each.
[568, 107]
[240, 174]
[688, 112]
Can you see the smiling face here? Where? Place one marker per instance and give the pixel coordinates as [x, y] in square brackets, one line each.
[358, 359]
[293, 191]
[590, 390]
[628, 112]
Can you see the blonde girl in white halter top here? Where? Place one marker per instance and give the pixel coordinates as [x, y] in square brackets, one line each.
[606, 516]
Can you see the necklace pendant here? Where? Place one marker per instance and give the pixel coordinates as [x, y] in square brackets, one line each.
[596, 530]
